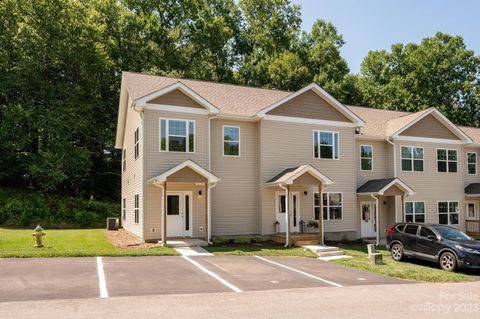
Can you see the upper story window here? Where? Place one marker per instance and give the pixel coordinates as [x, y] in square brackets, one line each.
[177, 136]
[415, 212]
[412, 158]
[124, 159]
[136, 142]
[366, 157]
[472, 163]
[325, 145]
[448, 213]
[446, 160]
[231, 141]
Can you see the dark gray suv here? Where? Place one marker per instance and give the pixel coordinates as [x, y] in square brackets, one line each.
[445, 245]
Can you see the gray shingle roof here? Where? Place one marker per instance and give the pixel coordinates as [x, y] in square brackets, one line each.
[472, 189]
[281, 174]
[374, 185]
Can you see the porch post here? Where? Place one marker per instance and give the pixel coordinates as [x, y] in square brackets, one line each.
[320, 213]
[403, 209]
[207, 195]
[377, 217]
[164, 213]
[287, 216]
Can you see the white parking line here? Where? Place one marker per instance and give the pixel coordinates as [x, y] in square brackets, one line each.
[301, 272]
[102, 284]
[214, 275]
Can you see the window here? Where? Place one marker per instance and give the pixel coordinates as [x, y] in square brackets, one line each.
[366, 157]
[412, 159]
[231, 141]
[177, 136]
[124, 209]
[471, 209]
[448, 213]
[472, 163]
[415, 212]
[137, 206]
[173, 205]
[446, 160]
[124, 160]
[281, 204]
[137, 144]
[332, 206]
[411, 229]
[425, 232]
[325, 145]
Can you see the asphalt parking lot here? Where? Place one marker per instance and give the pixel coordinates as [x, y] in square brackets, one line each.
[94, 277]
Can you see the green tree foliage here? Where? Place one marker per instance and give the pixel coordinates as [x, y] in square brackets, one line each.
[439, 72]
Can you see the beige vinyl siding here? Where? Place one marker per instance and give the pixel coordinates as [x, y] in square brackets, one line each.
[380, 162]
[429, 127]
[132, 178]
[157, 162]
[431, 186]
[286, 145]
[309, 105]
[176, 98]
[235, 198]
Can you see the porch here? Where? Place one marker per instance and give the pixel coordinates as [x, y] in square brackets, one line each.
[472, 228]
[472, 210]
[298, 239]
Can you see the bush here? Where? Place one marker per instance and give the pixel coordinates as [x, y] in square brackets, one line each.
[259, 239]
[344, 240]
[20, 208]
[219, 240]
[242, 240]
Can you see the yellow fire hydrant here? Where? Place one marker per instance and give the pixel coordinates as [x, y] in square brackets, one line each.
[38, 234]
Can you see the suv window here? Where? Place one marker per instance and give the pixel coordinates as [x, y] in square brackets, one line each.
[400, 227]
[411, 229]
[425, 232]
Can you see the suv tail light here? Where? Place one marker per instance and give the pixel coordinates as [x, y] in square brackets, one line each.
[391, 230]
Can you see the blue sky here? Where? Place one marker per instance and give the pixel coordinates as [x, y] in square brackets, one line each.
[377, 24]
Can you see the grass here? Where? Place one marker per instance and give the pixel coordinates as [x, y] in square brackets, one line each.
[260, 251]
[68, 243]
[410, 269]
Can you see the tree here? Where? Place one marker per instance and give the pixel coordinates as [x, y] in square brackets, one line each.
[438, 72]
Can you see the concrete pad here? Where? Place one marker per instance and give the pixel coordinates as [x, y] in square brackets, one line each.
[186, 242]
[248, 273]
[344, 276]
[48, 278]
[328, 258]
[156, 275]
[193, 251]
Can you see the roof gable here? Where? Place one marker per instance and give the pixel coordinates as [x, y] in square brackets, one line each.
[187, 164]
[176, 98]
[429, 126]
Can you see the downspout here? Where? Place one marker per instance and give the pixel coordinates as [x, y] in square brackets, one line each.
[287, 215]
[209, 211]
[134, 108]
[394, 156]
[377, 222]
[164, 240]
[209, 143]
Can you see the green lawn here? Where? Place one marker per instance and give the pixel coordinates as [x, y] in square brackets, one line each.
[260, 251]
[404, 270]
[68, 243]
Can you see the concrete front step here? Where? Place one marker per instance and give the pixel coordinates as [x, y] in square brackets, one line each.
[324, 251]
[330, 253]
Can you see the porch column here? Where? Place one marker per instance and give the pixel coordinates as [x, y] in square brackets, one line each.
[402, 219]
[320, 213]
[288, 214]
[207, 195]
[164, 213]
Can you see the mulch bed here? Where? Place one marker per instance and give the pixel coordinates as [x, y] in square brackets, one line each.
[123, 239]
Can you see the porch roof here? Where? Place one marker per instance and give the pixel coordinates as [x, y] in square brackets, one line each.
[188, 163]
[288, 176]
[473, 189]
[379, 186]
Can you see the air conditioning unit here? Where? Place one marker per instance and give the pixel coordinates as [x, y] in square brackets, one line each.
[112, 223]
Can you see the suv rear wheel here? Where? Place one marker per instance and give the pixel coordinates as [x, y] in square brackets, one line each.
[397, 251]
[448, 261]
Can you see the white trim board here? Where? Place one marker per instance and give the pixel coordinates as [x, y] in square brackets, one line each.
[291, 119]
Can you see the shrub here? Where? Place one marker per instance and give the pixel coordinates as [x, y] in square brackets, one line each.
[219, 240]
[242, 240]
[259, 239]
[344, 240]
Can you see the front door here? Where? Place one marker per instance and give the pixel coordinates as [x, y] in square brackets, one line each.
[472, 211]
[294, 212]
[179, 214]
[368, 220]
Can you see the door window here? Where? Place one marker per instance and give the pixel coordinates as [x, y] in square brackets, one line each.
[366, 213]
[281, 203]
[411, 229]
[471, 210]
[294, 208]
[173, 205]
[425, 232]
[187, 212]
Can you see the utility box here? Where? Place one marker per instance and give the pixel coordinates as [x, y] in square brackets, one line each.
[371, 249]
[112, 223]
[376, 258]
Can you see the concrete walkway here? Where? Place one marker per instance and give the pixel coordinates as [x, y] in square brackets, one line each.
[460, 300]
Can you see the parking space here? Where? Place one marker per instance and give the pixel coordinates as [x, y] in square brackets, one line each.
[64, 278]
[48, 278]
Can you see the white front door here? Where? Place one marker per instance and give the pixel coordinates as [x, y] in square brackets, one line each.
[179, 214]
[368, 220]
[471, 210]
[294, 211]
